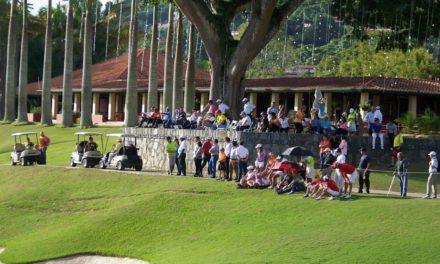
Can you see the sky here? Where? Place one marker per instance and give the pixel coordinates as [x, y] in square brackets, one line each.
[37, 4]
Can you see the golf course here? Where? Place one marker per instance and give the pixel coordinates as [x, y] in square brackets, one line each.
[53, 211]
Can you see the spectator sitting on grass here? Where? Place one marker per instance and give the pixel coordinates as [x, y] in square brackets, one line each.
[327, 186]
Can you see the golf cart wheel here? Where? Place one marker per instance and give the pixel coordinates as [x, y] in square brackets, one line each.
[102, 164]
[72, 162]
[23, 161]
[120, 166]
[12, 162]
[85, 163]
[138, 168]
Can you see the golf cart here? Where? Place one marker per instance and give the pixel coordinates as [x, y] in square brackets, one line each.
[124, 156]
[24, 154]
[86, 153]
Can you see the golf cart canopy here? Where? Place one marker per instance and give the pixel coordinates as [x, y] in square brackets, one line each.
[24, 134]
[122, 135]
[88, 134]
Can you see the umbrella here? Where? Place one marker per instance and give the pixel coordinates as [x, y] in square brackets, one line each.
[282, 166]
[297, 151]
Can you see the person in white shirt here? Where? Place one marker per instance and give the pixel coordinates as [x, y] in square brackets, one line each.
[285, 126]
[248, 107]
[181, 157]
[340, 158]
[431, 187]
[222, 106]
[242, 155]
[244, 123]
[228, 150]
[378, 115]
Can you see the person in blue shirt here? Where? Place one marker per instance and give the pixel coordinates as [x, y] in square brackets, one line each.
[377, 132]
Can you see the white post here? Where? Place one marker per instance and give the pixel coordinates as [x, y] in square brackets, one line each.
[412, 105]
[111, 106]
[298, 101]
[54, 105]
[95, 107]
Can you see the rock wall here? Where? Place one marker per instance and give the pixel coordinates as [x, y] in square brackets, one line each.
[152, 142]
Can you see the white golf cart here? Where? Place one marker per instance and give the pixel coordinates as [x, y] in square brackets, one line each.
[23, 152]
[124, 157]
[86, 153]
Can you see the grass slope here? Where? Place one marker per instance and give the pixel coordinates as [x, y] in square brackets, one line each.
[52, 212]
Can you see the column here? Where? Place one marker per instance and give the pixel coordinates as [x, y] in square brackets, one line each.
[376, 100]
[55, 105]
[412, 105]
[275, 97]
[95, 107]
[145, 102]
[77, 102]
[204, 98]
[254, 101]
[298, 101]
[161, 102]
[111, 106]
[365, 98]
[328, 104]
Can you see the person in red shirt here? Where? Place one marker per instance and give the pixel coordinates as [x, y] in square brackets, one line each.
[206, 155]
[329, 186]
[44, 144]
[348, 173]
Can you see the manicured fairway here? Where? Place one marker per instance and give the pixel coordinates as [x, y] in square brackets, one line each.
[51, 212]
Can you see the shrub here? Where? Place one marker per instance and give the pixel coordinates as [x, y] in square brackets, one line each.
[36, 109]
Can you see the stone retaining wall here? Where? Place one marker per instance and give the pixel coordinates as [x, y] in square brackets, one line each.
[152, 145]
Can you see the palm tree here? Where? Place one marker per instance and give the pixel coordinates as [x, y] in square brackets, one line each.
[190, 70]
[168, 68]
[86, 89]
[46, 115]
[178, 64]
[9, 115]
[131, 96]
[68, 68]
[152, 75]
[22, 94]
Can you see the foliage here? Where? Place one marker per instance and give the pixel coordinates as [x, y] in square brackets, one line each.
[364, 105]
[428, 122]
[408, 121]
[36, 109]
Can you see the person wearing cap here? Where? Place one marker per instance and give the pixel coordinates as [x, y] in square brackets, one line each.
[377, 132]
[222, 106]
[233, 165]
[364, 171]
[401, 170]
[214, 151]
[261, 156]
[171, 149]
[242, 155]
[349, 175]
[244, 123]
[329, 159]
[115, 149]
[369, 118]
[248, 107]
[378, 114]
[431, 186]
[181, 157]
[329, 186]
[248, 180]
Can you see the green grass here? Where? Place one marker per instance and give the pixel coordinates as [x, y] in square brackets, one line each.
[48, 212]
[62, 140]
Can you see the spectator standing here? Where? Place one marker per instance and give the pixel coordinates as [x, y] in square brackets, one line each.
[378, 114]
[364, 171]
[299, 117]
[272, 109]
[351, 121]
[181, 157]
[198, 157]
[310, 168]
[349, 174]
[261, 156]
[343, 145]
[206, 154]
[214, 151]
[222, 106]
[281, 111]
[44, 144]
[377, 132]
[222, 164]
[391, 131]
[431, 186]
[242, 155]
[171, 149]
[340, 158]
[248, 107]
[369, 118]
[323, 145]
[284, 122]
[397, 147]
[274, 123]
[228, 149]
[233, 165]
[401, 171]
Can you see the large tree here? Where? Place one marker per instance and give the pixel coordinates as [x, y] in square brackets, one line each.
[46, 111]
[230, 57]
[68, 69]
[131, 96]
[23, 75]
[190, 71]
[86, 94]
[168, 67]
[9, 114]
[152, 75]
[178, 65]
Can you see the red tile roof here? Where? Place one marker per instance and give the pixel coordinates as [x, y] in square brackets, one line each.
[112, 74]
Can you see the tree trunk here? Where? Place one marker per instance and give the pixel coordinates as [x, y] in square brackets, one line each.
[168, 68]
[131, 97]
[86, 90]
[68, 68]
[190, 70]
[46, 115]
[152, 75]
[178, 66]
[22, 94]
[9, 114]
